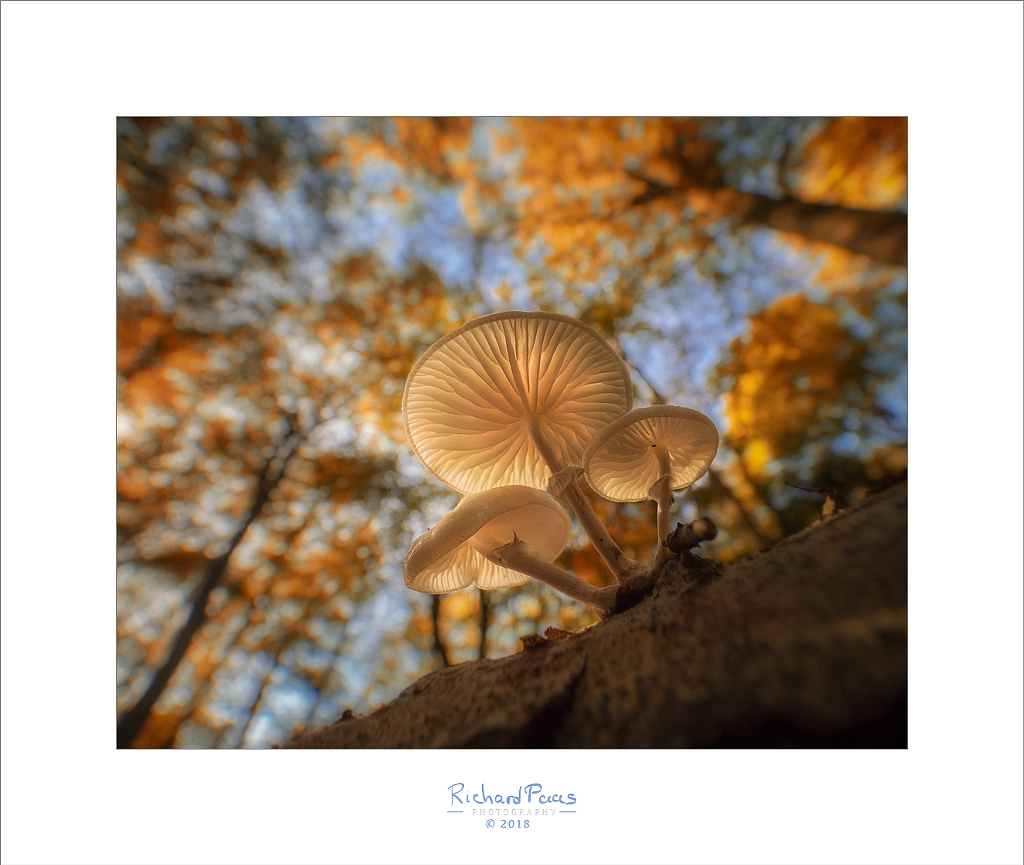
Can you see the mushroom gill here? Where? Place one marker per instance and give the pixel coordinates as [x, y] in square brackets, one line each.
[512, 398]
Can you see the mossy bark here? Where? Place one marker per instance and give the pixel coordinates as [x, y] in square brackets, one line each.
[804, 645]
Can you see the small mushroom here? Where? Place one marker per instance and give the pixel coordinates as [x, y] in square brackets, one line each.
[499, 538]
[649, 452]
[514, 398]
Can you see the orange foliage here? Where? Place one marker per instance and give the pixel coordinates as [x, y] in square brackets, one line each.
[587, 565]
[794, 363]
[425, 145]
[857, 162]
[420, 629]
[461, 610]
[137, 337]
[594, 181]
[149, 239]
[306, 566]
[169, 354]
[430, 143]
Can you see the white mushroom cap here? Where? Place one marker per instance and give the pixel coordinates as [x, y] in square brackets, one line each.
[471, 398]
[451, 555]
[633, 452]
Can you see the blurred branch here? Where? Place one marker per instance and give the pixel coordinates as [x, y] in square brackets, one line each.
[881, 235]
[207, 685]
[744, 526]
[275, 650]
[252, 713]
[784, 160]
[435, 614]
[484, 612]
[655, 189]
[878, 234]
[131, 722]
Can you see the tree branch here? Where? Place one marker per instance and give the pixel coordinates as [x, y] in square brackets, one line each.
[484, 611]
[878, 234]
[746, 526]
[435, 615]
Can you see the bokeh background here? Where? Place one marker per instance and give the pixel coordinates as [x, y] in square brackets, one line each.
[277, 279]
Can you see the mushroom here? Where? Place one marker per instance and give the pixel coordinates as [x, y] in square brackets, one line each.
[499, 538]
[649, 452]
[514, 398]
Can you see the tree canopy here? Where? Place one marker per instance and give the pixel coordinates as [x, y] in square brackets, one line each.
[278, 278]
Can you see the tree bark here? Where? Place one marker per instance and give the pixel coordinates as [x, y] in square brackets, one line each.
[804, 645]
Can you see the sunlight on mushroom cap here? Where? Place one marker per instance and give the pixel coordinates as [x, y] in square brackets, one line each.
[628, 456]
[470, 398]
[451, 555]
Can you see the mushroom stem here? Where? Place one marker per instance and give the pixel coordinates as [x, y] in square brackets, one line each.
[661, 492]
[516, 556]
[622, 567]
[664, 463]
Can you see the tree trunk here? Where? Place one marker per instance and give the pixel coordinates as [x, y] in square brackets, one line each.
[804, 645]
[881, 235]
[131, 722]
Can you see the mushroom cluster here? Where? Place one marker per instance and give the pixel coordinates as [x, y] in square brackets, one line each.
[511, 409]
